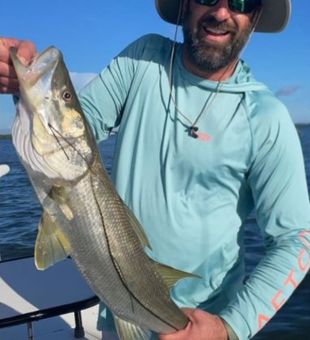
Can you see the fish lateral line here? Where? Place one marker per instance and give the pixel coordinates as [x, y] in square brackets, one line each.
[119, 271]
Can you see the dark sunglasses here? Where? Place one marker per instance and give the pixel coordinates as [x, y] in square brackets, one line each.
[239, 6]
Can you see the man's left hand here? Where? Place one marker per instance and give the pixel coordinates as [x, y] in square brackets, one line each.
[201, 326]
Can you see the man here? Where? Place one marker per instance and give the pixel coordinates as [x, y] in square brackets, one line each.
[200, 144]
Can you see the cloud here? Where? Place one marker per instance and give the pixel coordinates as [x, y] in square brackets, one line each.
[79, 80]
[287, 90]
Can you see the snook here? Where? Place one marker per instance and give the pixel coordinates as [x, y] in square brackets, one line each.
[83, 216]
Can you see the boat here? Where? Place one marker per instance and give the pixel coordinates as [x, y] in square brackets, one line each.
[4, 169]
[55, 304]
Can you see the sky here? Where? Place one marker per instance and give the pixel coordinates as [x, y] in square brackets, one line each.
[91, 32]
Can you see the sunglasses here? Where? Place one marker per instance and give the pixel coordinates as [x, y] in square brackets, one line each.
[239, 6]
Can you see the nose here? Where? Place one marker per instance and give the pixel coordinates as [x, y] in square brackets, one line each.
[220, 11]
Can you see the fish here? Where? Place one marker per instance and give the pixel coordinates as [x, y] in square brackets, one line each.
[4, 169]
[83, 216]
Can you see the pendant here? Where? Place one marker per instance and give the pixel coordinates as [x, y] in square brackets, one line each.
[194, 132]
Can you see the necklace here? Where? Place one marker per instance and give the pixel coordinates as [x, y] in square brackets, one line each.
[193, 128]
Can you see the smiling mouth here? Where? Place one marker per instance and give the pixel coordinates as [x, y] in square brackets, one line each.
[216, 33]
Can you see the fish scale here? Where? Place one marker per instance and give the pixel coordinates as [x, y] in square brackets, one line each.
[128, 247]
[83, 216]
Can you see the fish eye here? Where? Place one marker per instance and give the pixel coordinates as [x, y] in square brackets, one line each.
[66, 96]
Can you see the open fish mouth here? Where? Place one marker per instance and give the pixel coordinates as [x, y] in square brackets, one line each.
[41, 65]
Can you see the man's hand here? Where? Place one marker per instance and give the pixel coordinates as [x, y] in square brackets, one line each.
[26, 51]
[202, 326]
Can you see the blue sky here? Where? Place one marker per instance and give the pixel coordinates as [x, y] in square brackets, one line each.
[90, 33]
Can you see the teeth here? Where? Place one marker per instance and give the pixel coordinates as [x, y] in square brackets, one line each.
[214, 30]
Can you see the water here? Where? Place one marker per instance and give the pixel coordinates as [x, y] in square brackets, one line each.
[19, 208]
[20, 213]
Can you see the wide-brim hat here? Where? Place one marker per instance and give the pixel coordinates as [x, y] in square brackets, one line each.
[274, 17]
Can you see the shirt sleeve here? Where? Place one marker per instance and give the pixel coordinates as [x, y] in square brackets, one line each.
[278, 183]
[104, 98]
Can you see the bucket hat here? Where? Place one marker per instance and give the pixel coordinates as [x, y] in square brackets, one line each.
[274, 17]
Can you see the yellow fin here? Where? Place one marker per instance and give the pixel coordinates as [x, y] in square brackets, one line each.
[171, 275]
[51, 244]
[137, 228]
[129, 331]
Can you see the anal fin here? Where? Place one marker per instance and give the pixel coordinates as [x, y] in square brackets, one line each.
[129, 331]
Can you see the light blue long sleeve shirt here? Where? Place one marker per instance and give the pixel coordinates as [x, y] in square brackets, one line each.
[193, 195]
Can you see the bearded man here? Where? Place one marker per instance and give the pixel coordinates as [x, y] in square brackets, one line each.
[200, 145]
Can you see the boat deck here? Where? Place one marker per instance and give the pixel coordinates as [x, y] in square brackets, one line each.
[56, 328]
[45, 304]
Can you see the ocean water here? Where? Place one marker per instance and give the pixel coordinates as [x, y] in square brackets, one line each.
[20, 213]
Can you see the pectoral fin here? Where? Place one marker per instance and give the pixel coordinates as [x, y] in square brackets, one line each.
[129, 331]
[171, 275]
[51, 245]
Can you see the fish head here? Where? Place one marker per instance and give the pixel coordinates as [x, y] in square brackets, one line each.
[60, 135]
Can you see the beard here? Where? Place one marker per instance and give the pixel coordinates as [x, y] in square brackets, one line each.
[211, 56]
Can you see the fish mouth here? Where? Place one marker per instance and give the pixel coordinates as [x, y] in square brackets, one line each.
[41, 65]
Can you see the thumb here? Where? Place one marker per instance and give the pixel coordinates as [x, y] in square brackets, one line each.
[26, 51]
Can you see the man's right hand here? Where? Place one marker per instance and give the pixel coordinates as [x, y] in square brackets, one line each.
[26, 51]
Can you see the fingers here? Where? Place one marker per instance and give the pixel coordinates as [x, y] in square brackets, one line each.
[26, 51]
[5, 44]
[6, 69]
[9, 86]
[179, 335]
[8, 79]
